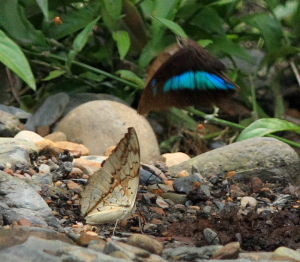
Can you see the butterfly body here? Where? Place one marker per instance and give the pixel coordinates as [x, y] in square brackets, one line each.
[185, 74]
[111, 191]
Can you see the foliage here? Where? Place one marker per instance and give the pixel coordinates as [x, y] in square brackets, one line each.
[106, 45]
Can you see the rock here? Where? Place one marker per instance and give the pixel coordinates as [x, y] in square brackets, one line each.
[50, 111]
[37, 249]
[145, 242]
[20, 200]
[187, 184]
[150, 174]
[189, 253]
[288, 253]
[251, 201]
[176, 198]
[19, 113]
[134, 253]
[15, 236]
[263, 157]
[100, 124]
[81, 98]
[56, 136]
[229, 251]
[211, 237]
[28, 136]
[73, 147]
[172, 159]
[14, 151]
[9, 125]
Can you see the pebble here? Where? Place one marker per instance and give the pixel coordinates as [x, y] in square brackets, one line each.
[251, 201]
[211, 237]
[145, 242]
[176, 198]
[172, 159]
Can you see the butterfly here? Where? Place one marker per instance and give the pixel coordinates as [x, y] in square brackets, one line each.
[111, 192]
[185, 74]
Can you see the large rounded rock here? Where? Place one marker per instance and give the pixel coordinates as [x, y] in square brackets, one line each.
[264, 157]
[101, 124]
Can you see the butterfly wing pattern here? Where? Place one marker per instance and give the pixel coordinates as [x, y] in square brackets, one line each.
[185, 74]
[111, 192]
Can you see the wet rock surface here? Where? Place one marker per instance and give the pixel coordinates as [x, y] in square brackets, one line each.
[203, 213]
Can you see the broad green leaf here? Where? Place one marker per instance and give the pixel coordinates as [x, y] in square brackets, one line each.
[266, 126]
[111, 14]
[129, 75]
[175, 28]
[181, 119]
[284, 51]
[82, 38]
[43, 4]
[80, 41]
[205, 42]
[162, 9]
[114, 8]
[54, 74]
[123, 42]
[14, 22]
[73, 21]
[225, 45]
[269, 28]
[215, 24]
[12, 56]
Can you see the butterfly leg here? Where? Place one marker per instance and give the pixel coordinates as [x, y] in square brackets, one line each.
[117, 221]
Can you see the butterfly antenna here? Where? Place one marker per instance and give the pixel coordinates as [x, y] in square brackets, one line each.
[117, 221]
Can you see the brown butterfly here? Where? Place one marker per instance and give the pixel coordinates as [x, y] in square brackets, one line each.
[111, 192]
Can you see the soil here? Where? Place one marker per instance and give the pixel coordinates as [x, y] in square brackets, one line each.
[265, 231]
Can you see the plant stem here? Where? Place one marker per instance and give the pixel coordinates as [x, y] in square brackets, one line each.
[90, 68]
[212, 118]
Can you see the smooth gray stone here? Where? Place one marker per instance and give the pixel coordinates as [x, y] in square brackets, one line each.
[13, 151]
[37, 249]
[19, 113]
[50, 111]
[186, 184]
[264, 157]
[9, 124]
[20, 200]
[190, 253]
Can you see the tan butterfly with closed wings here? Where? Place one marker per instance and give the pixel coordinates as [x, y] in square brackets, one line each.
[111, 192]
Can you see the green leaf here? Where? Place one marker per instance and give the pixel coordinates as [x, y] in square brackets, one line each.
[129, 75]
[14, 22]
[82, 38]
[225, 45]
[179, 118]
[111, 13]
[123, 42]
[266, 126]
[215, 24]
[54, 74]
[43, 4]
[80, 41]
[175, 28]
[12, 56]
[269, 28]
[74, 21]
[92, 76]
